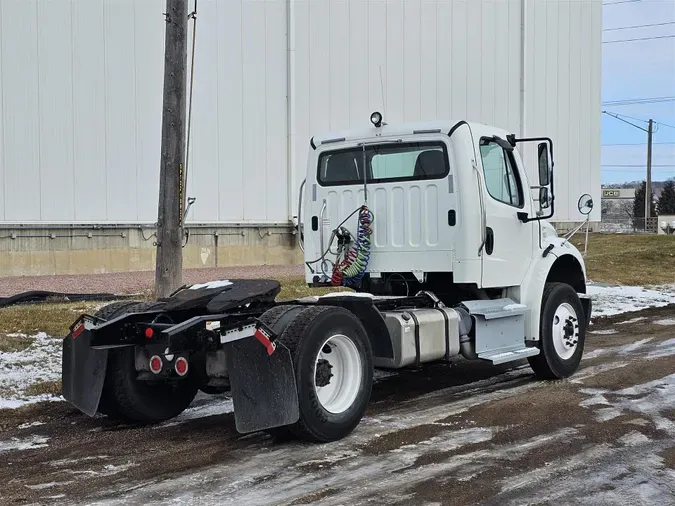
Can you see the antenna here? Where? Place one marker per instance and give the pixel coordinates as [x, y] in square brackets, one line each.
[384, 106]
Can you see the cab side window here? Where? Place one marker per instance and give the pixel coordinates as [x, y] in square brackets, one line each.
[501, 178]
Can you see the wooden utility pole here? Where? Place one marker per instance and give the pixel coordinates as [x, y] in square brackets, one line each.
[648, 186]
[169, 263]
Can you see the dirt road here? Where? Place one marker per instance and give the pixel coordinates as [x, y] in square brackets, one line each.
[460, 434]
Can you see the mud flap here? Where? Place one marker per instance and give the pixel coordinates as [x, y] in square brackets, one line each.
[82, 372]
[263, 386]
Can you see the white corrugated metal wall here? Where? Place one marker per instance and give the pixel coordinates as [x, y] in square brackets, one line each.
[81, 84]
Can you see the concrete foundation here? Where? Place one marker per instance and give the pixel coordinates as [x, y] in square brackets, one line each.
[26, 251]
[88, 250]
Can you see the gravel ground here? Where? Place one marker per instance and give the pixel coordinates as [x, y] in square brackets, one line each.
[136, 282]
[444, 434]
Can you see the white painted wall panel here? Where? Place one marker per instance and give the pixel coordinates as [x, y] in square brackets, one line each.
[149, 71]
[3, 184]
[80, 81]
[89, 112]
[21, 110]
[228, 68]
[55, 99]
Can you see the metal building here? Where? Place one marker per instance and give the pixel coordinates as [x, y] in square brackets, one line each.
[80, 111]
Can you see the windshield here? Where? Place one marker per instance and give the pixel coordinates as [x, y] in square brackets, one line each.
[404, 161]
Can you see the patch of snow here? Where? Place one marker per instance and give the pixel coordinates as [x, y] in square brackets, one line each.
[648, 399]
[613, 300]
[110, 470]
[42, 486]
[29, 425]
[211, 405]
[605, 332]
[21, 444]
[212, 284]
[66, 462]
[663, 349]
[666, 321]
[41, 361]
[633, 320]
[634, 438]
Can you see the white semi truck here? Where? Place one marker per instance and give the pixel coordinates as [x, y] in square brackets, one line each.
[448, 254]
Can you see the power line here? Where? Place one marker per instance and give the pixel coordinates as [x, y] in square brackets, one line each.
[640, 38]
[665, 125]
[613, 115]
[632, 101]
[637, 26]
[631, 117]
[638, 144]
[620, 2]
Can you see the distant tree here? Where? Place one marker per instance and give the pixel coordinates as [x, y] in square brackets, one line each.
[639, 202]
[666, 203]
[639, 206]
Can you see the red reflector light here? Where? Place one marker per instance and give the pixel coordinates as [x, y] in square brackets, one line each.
[181, 366]
[155, 364]
[149, 332]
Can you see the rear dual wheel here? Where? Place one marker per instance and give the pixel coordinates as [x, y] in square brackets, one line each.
[124, 397]
[333, 365]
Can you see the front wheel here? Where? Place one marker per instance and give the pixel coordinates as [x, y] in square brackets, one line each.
[562, 333]
[334, 371]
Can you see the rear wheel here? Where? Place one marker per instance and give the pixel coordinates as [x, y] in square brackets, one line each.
[333, 365]
[562, 333]
[127, 398]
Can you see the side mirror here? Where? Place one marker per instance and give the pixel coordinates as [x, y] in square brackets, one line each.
[544, 201]
[544, 170]
[585, 204]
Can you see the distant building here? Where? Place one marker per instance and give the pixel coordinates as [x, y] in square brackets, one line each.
[618, 193]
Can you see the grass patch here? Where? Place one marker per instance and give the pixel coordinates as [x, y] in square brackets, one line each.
[44, 387]
[53, 319]
[9, 344]
[297, 287]
[629, 259]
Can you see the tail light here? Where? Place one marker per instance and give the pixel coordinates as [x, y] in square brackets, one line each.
[181, 366]
[156, 364]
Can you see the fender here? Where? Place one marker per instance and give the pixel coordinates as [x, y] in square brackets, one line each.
[563, 262]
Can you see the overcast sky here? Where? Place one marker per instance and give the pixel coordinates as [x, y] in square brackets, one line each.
[638, 70]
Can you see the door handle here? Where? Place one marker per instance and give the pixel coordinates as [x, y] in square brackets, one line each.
[489, 241]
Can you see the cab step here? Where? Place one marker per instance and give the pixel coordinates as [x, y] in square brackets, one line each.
[500, 330]
[510, 356]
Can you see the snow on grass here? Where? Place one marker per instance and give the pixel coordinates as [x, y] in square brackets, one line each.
[19, 370]
[613, 300]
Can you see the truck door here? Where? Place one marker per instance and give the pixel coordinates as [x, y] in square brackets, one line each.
[507, 250]
[409, 191]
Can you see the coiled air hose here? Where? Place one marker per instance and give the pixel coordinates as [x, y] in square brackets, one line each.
[351, 270]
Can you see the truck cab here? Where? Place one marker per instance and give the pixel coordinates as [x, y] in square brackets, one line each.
[451, 210]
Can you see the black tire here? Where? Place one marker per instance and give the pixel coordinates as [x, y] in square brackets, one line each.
[128, 399]
[304, 336]
[549, 364]
[106, 406]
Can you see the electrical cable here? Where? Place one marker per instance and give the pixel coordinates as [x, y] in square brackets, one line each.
[352, 269]
[639, 38]
[638, 26]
